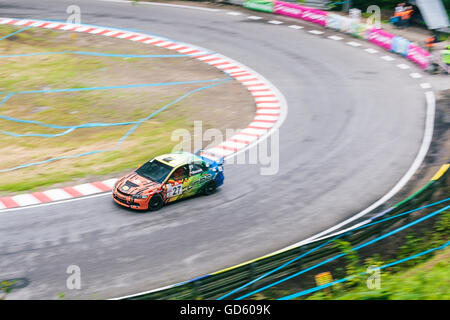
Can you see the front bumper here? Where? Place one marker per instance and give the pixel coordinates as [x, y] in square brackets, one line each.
[129, 201]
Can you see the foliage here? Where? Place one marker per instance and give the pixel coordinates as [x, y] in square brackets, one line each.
[426, 277]
[353, 268]
[6, 288]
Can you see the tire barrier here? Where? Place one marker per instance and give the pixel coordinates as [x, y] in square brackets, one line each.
[284, 262]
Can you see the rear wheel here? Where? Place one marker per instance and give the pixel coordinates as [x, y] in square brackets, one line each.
[155, 203]
[210, 187]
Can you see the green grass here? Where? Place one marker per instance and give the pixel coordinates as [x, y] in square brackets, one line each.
[429, 280]
[60, 71]
[422, 278]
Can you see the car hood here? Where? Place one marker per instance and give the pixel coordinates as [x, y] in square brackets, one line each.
[134, 184]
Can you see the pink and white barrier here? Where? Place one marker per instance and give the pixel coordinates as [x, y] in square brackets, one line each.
[381, 38]
[418, 55]
[300, 12]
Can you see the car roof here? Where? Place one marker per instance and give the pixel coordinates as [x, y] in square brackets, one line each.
[178, 158]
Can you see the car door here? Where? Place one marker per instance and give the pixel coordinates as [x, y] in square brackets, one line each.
[196, 177]
[177, 183]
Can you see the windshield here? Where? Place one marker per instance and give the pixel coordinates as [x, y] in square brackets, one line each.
[154, 170]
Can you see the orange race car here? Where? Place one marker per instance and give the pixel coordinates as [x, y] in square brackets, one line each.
[168, 178]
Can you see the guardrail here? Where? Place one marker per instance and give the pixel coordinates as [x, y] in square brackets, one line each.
[215, 285]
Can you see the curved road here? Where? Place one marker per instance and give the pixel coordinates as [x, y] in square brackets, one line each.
[354, 126]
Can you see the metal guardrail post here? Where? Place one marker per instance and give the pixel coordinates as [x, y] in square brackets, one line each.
[432, 190]
[252, 274]
[196, 290]
[299, 263]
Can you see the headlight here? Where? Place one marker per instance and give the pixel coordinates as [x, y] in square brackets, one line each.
[140, 196]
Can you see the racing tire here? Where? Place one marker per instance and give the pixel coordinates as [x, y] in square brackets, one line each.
[156, 202]
[210, 187]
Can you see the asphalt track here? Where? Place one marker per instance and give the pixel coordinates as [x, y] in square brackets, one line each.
[354, 126]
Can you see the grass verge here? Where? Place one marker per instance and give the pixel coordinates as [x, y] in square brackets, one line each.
[227, 105]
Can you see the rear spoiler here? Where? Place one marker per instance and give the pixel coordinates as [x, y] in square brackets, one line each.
[210, 157]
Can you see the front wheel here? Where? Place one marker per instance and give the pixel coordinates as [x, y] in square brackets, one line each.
[155, 203]
[210, 187]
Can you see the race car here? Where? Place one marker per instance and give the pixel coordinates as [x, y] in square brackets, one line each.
[168, 178]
